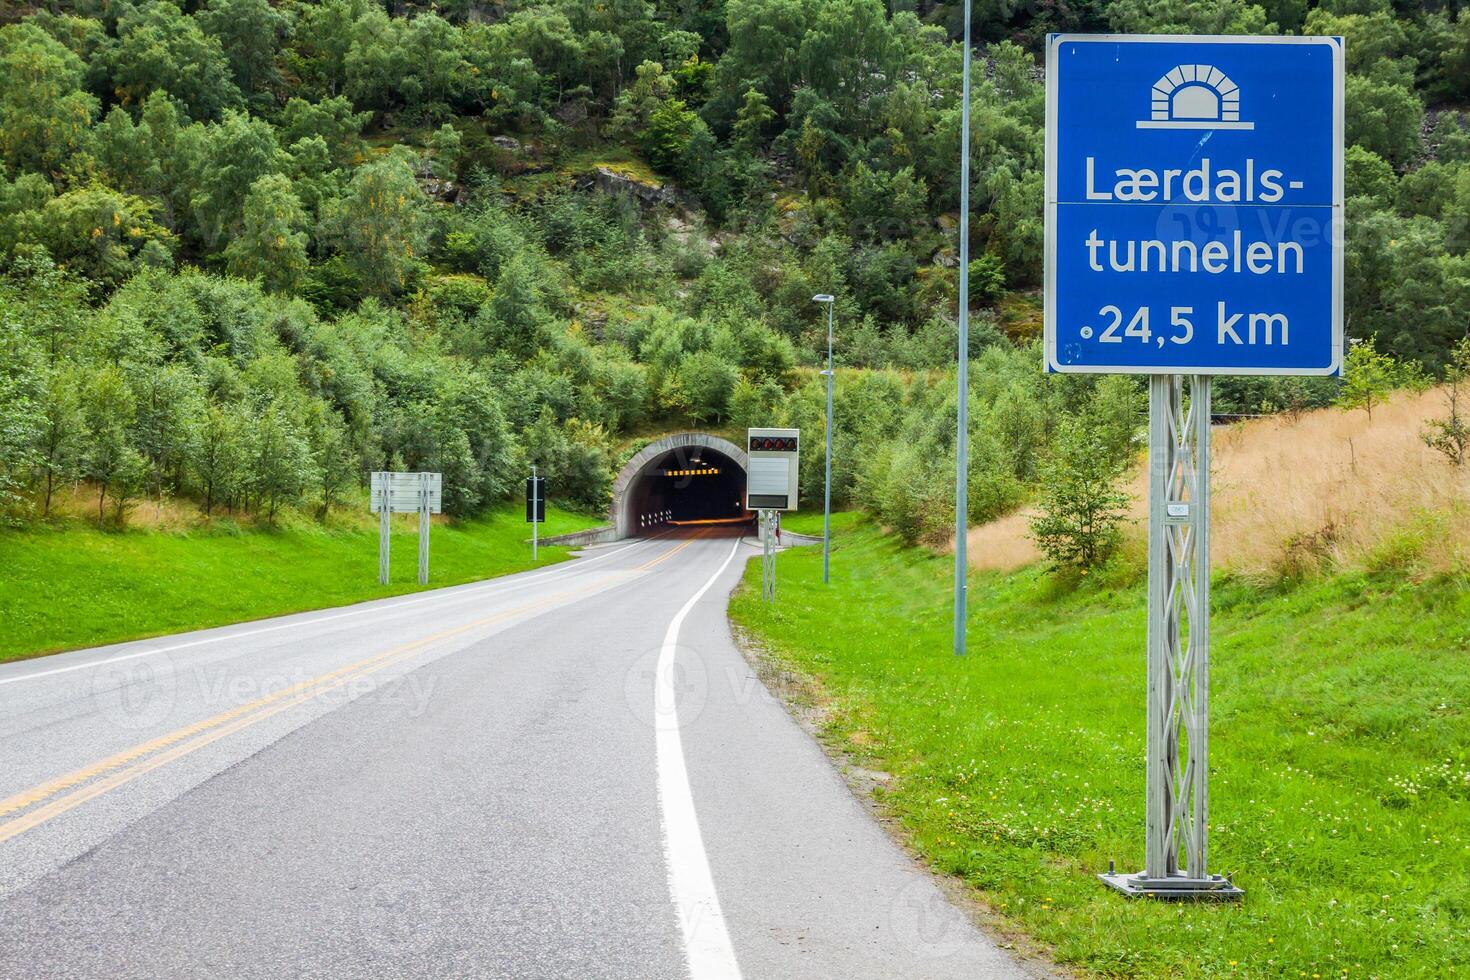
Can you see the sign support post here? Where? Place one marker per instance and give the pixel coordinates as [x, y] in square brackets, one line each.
[385, 528]
[404, 493]
[1178, 647]
[423, 529]
[535, 510]
[768, 555]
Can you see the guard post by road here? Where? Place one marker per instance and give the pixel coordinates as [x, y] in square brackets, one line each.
[405, 493]
[535, 508]
[771, 487]
[1194, 227]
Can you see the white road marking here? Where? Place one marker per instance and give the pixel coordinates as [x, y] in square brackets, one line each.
[706, 940]
[503, 583]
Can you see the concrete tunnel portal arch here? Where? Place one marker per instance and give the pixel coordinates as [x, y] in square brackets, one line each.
[683, 477]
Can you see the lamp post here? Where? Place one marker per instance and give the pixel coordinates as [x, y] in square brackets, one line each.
[828, 300]
[962, 432]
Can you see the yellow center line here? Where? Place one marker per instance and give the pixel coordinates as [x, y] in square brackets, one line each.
[670, 553]
[199, 734]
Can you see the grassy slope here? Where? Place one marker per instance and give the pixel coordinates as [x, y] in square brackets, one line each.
[78, 586]
[1340, 751]
[810, 521]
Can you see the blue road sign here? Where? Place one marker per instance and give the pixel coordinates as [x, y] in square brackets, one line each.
[1194, 192]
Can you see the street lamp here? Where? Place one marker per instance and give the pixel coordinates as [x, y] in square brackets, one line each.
[828, 300]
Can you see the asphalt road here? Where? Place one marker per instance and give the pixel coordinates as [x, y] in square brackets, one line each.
[570, 772]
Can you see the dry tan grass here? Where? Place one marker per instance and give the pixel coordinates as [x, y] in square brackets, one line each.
[1003, 545]
[1326, 488]
[78, 502]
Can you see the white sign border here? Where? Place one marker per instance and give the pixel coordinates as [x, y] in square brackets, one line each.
[1049, 284]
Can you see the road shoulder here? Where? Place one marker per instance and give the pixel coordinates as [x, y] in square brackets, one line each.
[804, 700]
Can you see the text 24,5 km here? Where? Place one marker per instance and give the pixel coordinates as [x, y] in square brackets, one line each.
[1115, 326]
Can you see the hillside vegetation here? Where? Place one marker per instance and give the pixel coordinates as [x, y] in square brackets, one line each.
[250, 250]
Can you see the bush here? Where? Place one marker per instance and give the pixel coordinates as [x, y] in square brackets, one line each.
[1082, 506]
[987, 279]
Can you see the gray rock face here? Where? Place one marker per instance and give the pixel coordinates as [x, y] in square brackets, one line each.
[645, 194]
[442, 190]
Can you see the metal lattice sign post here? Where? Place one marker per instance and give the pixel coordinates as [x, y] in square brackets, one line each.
[1194, 227]
[1179, 637]
[405, 493]
[768, 532]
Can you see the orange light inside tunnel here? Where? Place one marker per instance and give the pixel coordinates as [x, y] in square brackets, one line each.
[715, 520]
[681, 473]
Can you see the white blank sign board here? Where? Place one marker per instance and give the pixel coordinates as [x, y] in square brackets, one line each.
[403, 491]
[769, 476]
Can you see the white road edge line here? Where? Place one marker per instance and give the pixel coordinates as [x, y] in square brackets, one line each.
[508, 582]
[706, 940]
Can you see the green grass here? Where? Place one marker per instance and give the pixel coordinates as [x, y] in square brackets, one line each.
[810, 521]
[62, 588]
[1340, 755]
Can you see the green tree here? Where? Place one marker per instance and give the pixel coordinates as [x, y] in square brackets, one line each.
[381, 227]
[21, 413]
[250, 33]
[1450, 435]
[752, 123]
[1368, 376]
[701, 386]
[637, 103]
[987, 279]
[95, 232]
[44, 114]
[514, 320]
[883, 206]
[1457, 59]
[1384, 117]
[271, 246]
[764, 51]
[240, 150]
[281, 462]
[111, 461]
[53, 305]
[1369, 175]
[60, 444]
[165, 400]
[219, 456]
[331, 455]
[331, 119]
[587, 474]
[158, 47]
[1081, 506]
[148, 158]
[545, 442]
[670, 136]
[1188, 17]
[323, 38]
[446, 145]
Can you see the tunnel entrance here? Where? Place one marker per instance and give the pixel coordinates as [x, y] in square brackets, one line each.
[690, 478]
[701, 487]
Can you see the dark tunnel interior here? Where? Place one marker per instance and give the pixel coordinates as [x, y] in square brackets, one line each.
[687, 484]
